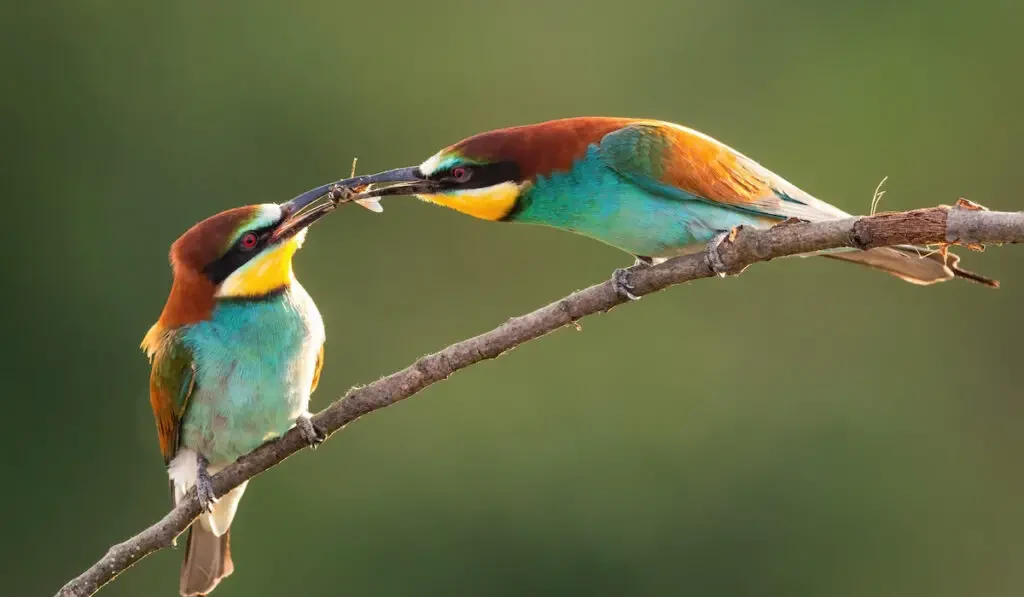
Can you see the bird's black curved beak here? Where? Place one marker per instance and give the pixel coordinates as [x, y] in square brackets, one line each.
[400, 181]
[295, 217]
[402, 177]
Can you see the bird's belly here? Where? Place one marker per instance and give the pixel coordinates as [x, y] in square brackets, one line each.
[658, 227]
[645, 225]
[254, 376]
[236, 413]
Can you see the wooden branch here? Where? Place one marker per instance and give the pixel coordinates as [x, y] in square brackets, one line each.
[965, 224]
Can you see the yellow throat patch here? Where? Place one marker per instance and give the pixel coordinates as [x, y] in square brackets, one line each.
[269, 271]
[489, 203]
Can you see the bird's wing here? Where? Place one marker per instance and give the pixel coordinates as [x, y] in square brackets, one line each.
[319, 368]
[171, 384]
[681, 163]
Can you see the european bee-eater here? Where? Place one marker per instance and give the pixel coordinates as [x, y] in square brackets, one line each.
[235, 355]
[651, 188]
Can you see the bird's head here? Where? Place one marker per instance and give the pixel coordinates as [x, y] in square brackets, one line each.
[482, 184]
[472, 178]
[242, 253]
[487, 174]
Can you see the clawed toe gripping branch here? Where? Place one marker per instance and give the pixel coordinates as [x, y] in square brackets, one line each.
[713, 255]
[310, 431]
[966, 224]
[622, 278]
[204, 485]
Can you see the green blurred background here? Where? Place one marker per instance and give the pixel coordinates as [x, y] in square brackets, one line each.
[808, 428]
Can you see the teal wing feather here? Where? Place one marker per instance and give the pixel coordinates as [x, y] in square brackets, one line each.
[171, 384]
[680, 163]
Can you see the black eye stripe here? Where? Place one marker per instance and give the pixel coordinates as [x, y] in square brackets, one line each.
[481, 175]
[236, 256]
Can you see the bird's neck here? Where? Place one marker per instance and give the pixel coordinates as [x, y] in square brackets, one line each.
[281, 309]
[562, 199]
[267, 296]
[191, 300]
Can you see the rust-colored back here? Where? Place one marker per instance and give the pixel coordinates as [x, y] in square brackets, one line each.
[540, 148]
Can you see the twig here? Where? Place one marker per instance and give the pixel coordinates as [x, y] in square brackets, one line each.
[875, 199]
[964, 224]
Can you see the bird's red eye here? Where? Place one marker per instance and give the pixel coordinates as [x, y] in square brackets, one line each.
[249, 241]
[460, 174]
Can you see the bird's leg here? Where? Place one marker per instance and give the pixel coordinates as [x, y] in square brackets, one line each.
[204, 487]
[622, 278]
[714, 258]
[311, 432]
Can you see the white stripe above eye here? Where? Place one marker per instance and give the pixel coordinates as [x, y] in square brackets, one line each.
[267, 214]
[436, 163]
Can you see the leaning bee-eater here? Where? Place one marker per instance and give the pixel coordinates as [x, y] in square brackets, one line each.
[651, 188]
[235, 355]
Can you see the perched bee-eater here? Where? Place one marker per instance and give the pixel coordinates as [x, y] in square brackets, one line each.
[654, 189]
[235, 355]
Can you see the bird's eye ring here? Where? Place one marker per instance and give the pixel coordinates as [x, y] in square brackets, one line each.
[249, 241]
[460, 173]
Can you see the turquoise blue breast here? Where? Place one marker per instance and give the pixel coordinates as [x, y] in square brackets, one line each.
[593, 200]
[255, 363]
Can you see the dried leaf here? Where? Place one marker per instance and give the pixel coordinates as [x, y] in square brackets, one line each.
[962, 203]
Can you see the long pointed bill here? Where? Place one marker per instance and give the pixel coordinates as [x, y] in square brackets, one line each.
[365, 189]
[400, 181]
[297, 220]
[358, 189]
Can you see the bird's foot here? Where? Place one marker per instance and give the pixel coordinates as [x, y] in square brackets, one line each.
[204, 486]
[714, 258]
[622, 278]
[311, 432]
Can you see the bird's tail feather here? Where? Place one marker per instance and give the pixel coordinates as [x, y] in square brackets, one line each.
[912, 264]
[207, 560]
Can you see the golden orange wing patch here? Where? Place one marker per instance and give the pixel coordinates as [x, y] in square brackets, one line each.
[704, 167]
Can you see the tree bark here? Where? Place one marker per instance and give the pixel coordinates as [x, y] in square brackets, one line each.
[965, 224]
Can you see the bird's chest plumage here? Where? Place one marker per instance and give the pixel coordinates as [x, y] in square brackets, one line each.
[255, 362]
[594, 200]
